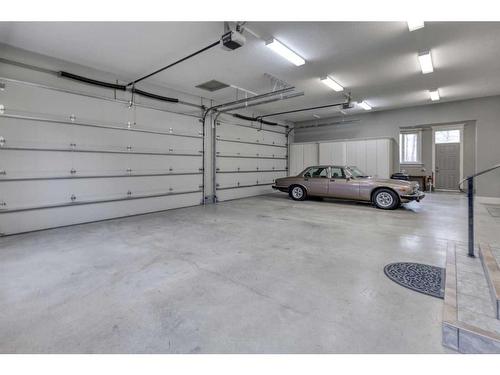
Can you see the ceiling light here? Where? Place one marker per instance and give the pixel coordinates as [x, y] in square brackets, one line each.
[331, 83]
[365, 105]
[425, 60]
[434, 95]
[316, 116]
[285, 52]
[415, 25]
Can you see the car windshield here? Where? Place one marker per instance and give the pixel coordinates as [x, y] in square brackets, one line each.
[356, 173]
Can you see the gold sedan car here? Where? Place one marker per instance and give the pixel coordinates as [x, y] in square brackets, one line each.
[348, 183]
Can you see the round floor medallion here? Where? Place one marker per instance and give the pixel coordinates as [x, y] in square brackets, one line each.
[422, 278]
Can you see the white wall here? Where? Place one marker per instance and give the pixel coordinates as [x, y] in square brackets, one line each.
[483, 112]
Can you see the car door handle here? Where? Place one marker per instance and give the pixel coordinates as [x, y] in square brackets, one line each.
[306, 179]
[332, 179]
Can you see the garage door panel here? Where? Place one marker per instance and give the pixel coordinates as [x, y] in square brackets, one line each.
[249, 178]
[37, 100]
[21, 163]
[25, 221]
[225, 195]
[250, 150]
[32, 193]
[34, 132]
[156, 120]
[251, 135]
[226, 164]
[25, 163]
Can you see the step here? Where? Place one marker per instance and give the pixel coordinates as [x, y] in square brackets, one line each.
[470, 323]
[490, 259]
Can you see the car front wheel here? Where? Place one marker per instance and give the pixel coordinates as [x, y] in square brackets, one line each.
[386, 199]
[297, 193]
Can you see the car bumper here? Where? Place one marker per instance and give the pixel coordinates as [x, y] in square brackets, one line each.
[413, 197]
[280, 188]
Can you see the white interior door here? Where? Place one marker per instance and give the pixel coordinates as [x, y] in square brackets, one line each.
[447, 166]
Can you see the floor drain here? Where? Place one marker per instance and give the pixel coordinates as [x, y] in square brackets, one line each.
[421, 278]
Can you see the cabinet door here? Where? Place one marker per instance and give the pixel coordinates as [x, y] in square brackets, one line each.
[371, 158]
[326, 153]
[296, 159]
[339, 153]
[332, 153]
[361, 155]
[384, 158]
[351, 154]
[310, 155]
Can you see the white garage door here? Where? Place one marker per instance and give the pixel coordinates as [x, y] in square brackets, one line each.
[249, 157]
[68, 158]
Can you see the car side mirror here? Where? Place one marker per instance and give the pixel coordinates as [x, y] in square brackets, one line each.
[348, 178]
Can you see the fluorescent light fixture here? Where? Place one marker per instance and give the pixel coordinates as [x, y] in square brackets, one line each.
[415, 25]
[434, 95]
[365, 105]
[331, 83]
[285, 52]
[425, 60]
[316, 116]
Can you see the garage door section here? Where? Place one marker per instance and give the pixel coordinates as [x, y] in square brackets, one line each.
[248, 157]
[68, 158]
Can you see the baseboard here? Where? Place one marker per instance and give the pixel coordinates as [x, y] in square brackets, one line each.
[487, 200]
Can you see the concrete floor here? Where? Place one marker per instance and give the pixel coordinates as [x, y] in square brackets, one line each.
[257, 275]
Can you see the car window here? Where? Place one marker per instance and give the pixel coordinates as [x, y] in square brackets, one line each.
[338, 172]
[317, 172]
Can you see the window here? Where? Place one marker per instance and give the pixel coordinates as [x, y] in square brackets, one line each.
[338, 172]
[447, 136]
[410, 144]
[317, 172]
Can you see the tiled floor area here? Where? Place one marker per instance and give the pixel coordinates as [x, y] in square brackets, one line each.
[475, 306]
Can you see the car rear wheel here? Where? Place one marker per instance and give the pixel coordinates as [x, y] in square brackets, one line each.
[386, 199]
[297, 193]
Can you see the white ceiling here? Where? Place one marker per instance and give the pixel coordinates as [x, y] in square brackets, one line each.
[377, 61]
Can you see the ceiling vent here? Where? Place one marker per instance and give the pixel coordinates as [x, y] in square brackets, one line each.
[212, 85]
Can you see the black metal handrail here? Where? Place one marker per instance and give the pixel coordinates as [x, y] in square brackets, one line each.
[470, 199]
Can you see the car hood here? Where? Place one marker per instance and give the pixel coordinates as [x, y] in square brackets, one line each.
[392, 182]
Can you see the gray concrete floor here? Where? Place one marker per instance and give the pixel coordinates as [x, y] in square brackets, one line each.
[257, 275]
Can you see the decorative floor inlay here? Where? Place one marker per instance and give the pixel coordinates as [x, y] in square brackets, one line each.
[421, 278]
[493, 209]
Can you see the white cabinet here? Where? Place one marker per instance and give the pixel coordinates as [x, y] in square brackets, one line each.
[373, 156]
[302, 155]
[332, 153]
[384, 158]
